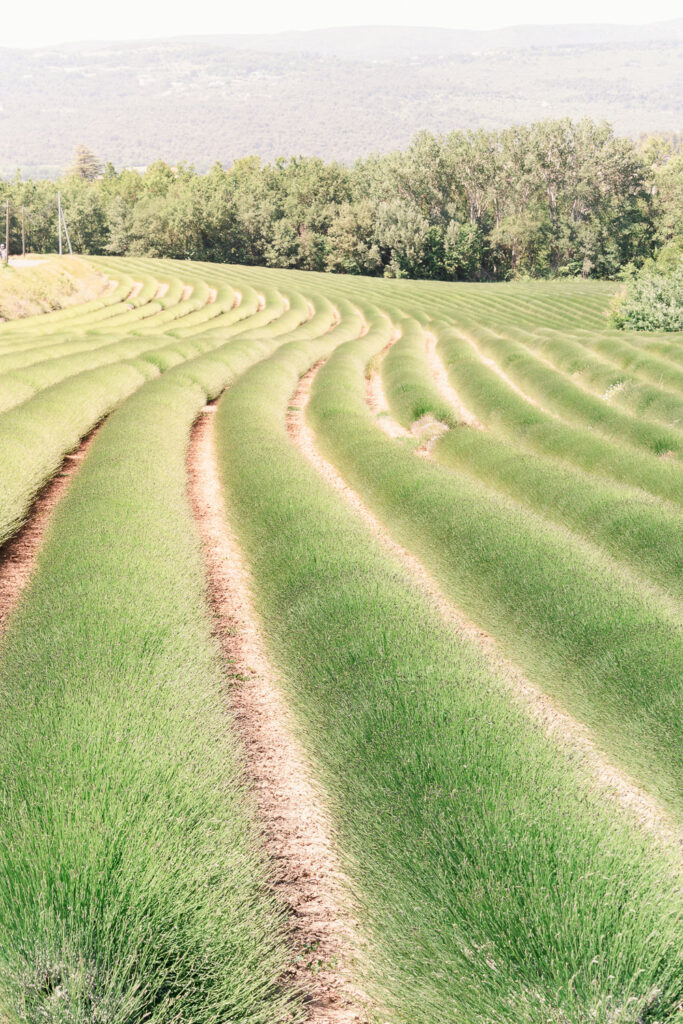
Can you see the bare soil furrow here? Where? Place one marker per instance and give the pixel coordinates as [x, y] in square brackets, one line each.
[444, 386]
[19, 555]
[135, 290]
[426, 430]
[296, 828]
[375, 396]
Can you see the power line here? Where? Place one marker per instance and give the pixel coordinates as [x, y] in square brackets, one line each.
[6, 258]
[66, 232]
[61, 219]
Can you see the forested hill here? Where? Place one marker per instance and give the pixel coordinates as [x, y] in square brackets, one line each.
[546, 199]
[338, 94]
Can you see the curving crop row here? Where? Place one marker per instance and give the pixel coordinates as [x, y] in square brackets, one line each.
[495, 886]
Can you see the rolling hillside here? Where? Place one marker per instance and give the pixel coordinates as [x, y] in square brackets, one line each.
[337, 94]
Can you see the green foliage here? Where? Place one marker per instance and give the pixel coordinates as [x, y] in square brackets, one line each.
[651, 301]
[669, 197]
[36, 435]
[553, 198]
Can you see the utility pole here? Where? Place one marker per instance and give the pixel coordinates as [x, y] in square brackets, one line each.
[66, 232]
[59, 219]
[23, 231]
[7, 232]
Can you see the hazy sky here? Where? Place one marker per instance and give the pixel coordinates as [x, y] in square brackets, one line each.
[44, 21]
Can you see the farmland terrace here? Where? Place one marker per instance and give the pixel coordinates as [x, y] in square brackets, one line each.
[341, 649]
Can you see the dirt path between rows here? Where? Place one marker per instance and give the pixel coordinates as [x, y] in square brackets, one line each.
[427, 430]
[135, 291]
[19, 555]
[444, 386]
[375, 397]
[559, 725]
[336, 320]
[290, 810]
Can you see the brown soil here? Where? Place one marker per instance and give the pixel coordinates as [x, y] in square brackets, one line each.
[427, 429]
[376, 398]
[212, 296]
[444, 386]
[610, 780]
[18, 556]
[336, 320]
[261, 304]
[135, 291]
[186, 292]
[297, 832]
[161, 290]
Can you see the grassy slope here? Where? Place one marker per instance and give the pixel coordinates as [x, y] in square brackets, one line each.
[134, 889]
[49, 285]
[35, 436]
[48, 407]
[604, 378]
[527, 427]
[629, 525]
[559, 393]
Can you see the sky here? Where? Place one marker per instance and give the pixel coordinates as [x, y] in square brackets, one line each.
[44, 22]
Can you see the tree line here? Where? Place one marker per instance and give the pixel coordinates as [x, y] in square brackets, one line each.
[546, 199]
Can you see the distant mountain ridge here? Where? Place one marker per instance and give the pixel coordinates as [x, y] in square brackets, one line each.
[381, 42]
[387, 42]
[337, 93]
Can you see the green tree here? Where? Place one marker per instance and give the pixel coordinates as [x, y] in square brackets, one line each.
[85, 164]
[668, 196]
[551, 198]
[351, 245]
[402, 235]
